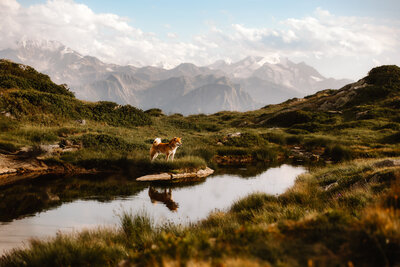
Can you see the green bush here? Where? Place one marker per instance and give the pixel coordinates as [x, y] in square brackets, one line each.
[294, 139]
[289, 118]
[277, 138]
[233, 151]
[338, 153]
[392, 139]
[7, 124]
[37, 136]
[245, 140]
[386, 75]
[155, 112]
[264, 154]
[318, 142]
[8, 147]
[109, 142]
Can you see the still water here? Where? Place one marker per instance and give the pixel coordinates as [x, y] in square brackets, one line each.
[177, 204]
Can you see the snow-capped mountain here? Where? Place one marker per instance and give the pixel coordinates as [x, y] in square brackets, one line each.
[186, 88]
[271, 81]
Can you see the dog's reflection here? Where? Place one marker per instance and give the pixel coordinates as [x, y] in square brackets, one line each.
[164, 197]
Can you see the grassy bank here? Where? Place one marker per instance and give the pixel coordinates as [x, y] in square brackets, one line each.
[336, 215]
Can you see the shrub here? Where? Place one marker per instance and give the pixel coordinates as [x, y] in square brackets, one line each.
[245, 140]
[318, 142]
[287, 119]
[8, 147]
[155, 112]
[7, 124]
[108, 142]
[38, 136]
[265, 154]
[277, 138]
[227, 151]
[311, 127]
[386, 75]
[294, 139]
[338, 153]
[392, 139]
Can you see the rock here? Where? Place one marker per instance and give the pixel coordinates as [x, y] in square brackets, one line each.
[183, 175]
[49, 148]
[362, 114]
[81, 122]
[220, 144]
[387, 163]
[124, 263]
[204, 173]
[52, 197]
[65, 142]
[330, 186]
[7, 114]
[334, 112]
[175, 176]
[155, 177]
[232, 135]
[374, 179]
[314, 157]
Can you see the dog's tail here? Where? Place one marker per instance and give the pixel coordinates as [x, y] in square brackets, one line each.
[157, 141]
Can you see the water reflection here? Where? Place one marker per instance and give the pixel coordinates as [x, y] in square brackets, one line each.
[164, 197]
[196, 201]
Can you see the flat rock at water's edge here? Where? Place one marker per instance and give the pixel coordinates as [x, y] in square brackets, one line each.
[172, 176]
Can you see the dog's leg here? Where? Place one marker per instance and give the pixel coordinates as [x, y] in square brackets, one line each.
[172, 156]
[153, 156]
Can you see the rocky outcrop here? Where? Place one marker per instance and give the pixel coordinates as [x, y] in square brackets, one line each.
[387, 163]
[176, 176]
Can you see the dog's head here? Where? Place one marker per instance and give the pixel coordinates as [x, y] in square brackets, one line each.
[176, 141]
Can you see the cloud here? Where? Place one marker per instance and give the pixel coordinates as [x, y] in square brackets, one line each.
[104, 35]
[322, 39]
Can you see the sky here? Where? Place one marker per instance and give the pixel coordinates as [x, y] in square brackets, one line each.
[341, 39]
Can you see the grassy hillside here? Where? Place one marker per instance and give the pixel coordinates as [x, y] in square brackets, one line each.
[345, 212]
[358, 121]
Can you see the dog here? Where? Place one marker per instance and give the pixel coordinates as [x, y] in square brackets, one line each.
[164, 197]
[168, 149]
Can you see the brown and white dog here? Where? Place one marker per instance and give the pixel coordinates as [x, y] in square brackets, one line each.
[168, 149]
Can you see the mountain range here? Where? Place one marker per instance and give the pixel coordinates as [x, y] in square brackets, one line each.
[188, 89]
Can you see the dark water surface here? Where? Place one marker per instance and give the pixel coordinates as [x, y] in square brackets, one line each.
[177, 204]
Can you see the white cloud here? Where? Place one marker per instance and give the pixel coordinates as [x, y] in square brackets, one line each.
[324, 40]
[172, 35]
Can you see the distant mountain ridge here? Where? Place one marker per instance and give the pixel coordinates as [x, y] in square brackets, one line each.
[245, 85]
